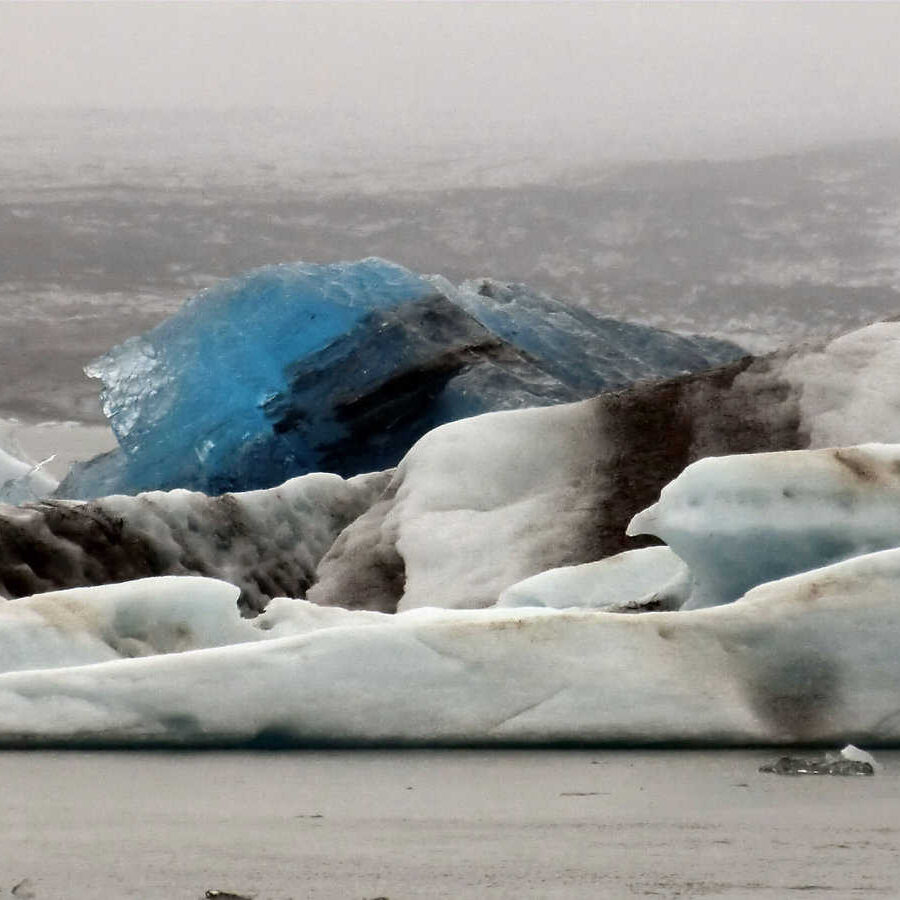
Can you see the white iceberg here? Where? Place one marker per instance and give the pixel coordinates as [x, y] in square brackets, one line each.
[739, 521]
[474, 507]
[810, 658]
[147, 617]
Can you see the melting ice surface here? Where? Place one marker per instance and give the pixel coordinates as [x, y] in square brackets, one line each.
[297, 368]
[740, 521]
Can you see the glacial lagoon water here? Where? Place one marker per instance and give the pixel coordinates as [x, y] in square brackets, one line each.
[443, 823]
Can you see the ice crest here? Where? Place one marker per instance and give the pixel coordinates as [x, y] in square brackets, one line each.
[740, 521]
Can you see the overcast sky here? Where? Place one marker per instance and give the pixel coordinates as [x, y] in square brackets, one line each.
[633, 79]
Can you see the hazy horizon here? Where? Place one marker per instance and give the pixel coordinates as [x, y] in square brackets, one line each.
[571, 81]
[148, 150]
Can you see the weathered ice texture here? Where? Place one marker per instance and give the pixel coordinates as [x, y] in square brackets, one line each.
[644, 580]
[481, 504]
[266, 542]
[741, 521]
[809, 659]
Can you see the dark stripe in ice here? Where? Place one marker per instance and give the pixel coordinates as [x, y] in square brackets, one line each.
[642, 438]
[268, 547]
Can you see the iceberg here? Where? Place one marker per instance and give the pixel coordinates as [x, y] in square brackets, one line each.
[611, 655]
[298, 368]
[588, 352]
[481, 504]
[268, 543]
[807, 659]
[146, 617]
[456, 523]
[740, 521]
[20, 480]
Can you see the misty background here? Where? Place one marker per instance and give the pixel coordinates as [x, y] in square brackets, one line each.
[727, 168]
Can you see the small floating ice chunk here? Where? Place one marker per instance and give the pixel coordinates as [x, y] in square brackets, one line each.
[861, 756]
[850, 761]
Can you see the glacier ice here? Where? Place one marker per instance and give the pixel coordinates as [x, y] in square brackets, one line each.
[807, 659]
[459, 523]
[635, 580]
[187, 396]
[788, 635]
[474, 507]
[266, 542]
[299, 367]
[145, 617]
[846, 387]
[743, 520]
[21, 480]
[588, 352]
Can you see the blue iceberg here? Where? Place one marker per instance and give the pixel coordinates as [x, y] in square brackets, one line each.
[298, 367]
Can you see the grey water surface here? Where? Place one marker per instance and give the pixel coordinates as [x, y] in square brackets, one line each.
[443, 823]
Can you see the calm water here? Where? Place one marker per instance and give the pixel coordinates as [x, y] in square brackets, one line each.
[412, 824]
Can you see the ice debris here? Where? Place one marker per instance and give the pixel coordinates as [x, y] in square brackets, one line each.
[299, 367]
[850, 761]
[20, 480]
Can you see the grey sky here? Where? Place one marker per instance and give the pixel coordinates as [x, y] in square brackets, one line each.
[625, 79]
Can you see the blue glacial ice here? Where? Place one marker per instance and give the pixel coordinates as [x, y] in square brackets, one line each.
[298, 367]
